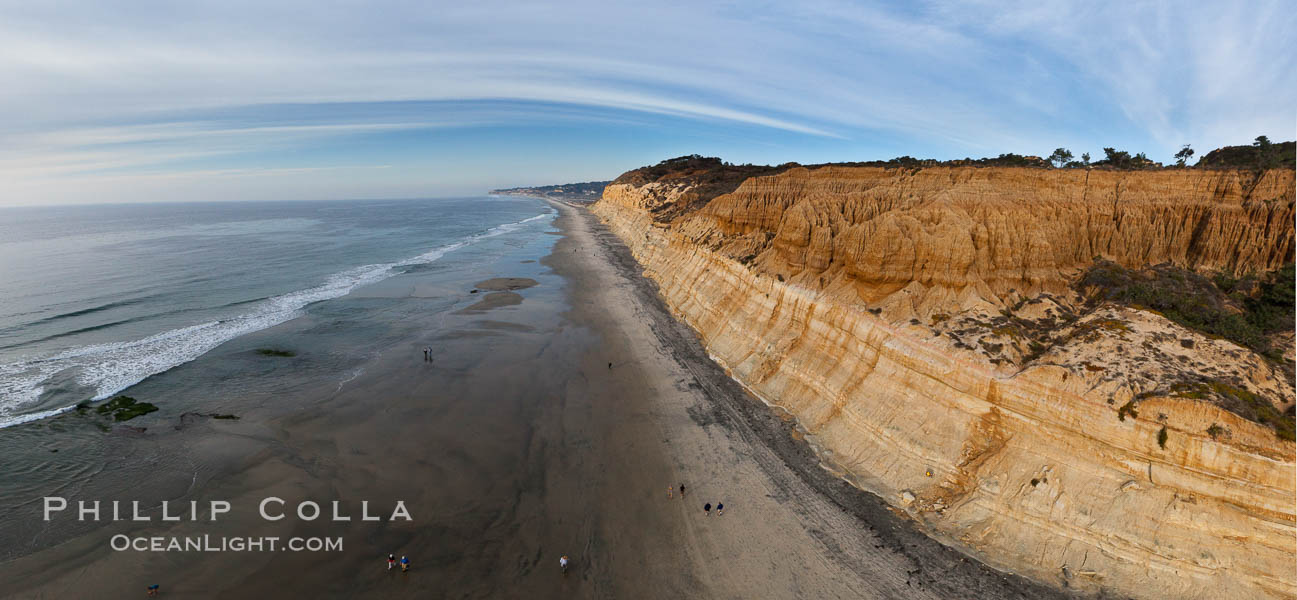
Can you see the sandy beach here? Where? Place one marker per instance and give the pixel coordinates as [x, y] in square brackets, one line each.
[551, 421]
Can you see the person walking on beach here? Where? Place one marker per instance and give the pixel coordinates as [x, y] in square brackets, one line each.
[682, 491]
[707, 509]
[405, 564]
[720, 509]
[562, 563]
[669, 488]
[391, 561]
[609, 366]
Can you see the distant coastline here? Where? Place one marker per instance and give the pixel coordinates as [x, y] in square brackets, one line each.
[587, 192]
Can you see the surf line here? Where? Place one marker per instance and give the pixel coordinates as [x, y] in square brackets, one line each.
[113, 367]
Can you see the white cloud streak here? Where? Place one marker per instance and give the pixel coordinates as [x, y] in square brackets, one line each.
[92, 86]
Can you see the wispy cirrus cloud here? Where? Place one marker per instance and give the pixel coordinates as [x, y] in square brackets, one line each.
[437, 91]
[1214, 74]
[91, 151]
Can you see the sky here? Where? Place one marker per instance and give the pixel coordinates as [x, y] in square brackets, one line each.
[146, 101]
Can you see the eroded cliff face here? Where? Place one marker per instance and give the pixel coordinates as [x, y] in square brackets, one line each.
[862, 301]
[942, 236]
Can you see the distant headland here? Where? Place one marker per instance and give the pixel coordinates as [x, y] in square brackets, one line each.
[579, 192]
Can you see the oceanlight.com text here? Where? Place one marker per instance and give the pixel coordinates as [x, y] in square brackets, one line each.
[206, 543]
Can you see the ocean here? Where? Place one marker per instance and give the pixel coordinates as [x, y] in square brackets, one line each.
[270, 313]
[96, 299]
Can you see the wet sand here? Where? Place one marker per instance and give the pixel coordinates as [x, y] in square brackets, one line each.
[790, 529]
[505, 284]
[517, 445]
[493, 300]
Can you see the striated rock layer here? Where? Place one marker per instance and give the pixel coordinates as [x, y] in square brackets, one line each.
[813, 287]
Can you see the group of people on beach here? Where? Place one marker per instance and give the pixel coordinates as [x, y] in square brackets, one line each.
[707, 507]
[391, 562]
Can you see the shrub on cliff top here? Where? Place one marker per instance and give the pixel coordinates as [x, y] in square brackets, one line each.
[1254, 156]
[1005, 160]
[699, 170]
[709, 176]
[714, 176]
[1120, 159]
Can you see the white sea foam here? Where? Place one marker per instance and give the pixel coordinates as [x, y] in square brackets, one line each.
[113, 367]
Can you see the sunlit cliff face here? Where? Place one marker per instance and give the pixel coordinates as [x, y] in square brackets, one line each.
[924, 328]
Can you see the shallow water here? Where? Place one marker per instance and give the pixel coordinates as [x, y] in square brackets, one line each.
[96, 299]
[363, 280]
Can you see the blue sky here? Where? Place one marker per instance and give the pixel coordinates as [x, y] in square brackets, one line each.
[167, 101]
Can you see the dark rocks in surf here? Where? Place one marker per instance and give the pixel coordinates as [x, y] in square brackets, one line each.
[121, 408]
[278, 352]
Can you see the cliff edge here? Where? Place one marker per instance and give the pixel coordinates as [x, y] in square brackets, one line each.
[951, 340]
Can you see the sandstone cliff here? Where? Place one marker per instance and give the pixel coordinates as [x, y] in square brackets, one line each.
[884, 308]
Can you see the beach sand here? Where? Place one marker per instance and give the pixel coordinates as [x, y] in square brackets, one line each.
[517, 445]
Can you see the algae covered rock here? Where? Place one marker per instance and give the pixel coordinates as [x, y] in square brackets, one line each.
[276, 352]
[125, 408]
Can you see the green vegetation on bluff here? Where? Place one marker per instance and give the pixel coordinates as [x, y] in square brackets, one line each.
[1242, 310]
[1246, 310]
[1262, 154]
[1240, 402]
[712, 177]
[709, 176]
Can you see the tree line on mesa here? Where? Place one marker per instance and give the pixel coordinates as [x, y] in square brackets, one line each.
[1262, 154]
